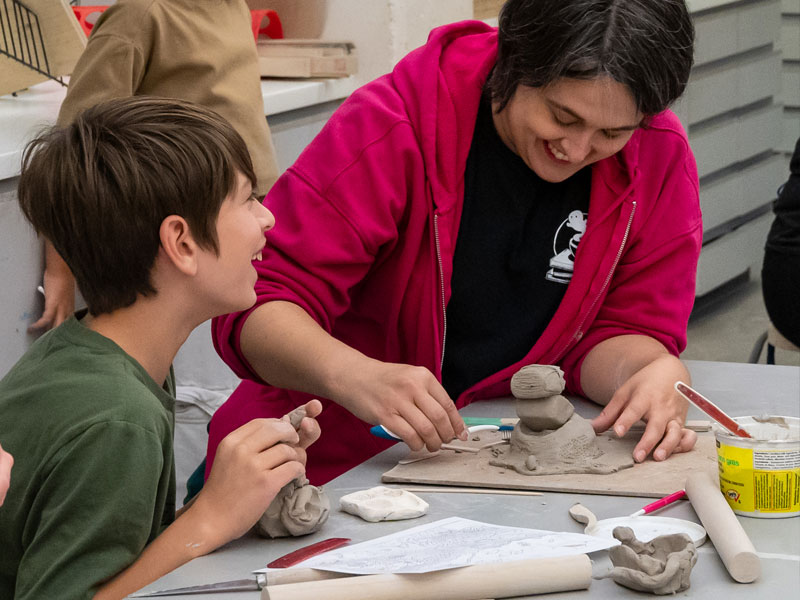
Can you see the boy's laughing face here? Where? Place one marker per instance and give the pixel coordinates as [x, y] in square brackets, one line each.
[242, 222]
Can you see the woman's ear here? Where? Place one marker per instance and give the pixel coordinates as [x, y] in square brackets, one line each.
[178, 246]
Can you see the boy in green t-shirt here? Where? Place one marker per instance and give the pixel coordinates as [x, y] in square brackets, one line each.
[150, 202]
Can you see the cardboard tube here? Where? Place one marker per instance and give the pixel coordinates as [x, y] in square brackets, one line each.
[504, 580]
[284, 576]
[732, 544]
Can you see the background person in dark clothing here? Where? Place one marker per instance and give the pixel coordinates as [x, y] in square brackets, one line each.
[780, 275]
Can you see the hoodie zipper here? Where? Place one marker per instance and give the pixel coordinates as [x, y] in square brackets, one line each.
[578, 332]
[441, 286]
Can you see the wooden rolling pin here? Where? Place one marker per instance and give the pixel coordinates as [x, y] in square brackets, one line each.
[732, 544]
[505, 580]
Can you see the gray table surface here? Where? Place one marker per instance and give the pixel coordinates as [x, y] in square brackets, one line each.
[740, 389]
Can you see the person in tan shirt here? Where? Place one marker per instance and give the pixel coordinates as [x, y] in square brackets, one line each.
[197, 50]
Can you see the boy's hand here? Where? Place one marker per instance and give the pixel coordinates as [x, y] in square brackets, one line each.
[308, 428]
[252, 464]
[408, 400]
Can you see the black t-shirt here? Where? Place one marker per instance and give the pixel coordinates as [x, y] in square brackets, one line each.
[513, 259]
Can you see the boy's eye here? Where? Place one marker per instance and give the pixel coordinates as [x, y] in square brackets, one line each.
[610, 134]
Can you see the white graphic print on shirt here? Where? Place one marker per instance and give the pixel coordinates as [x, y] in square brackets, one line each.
[565, 244]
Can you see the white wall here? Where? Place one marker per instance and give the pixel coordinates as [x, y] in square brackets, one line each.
[20, 274]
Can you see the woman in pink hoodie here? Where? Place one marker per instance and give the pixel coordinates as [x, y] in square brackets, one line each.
[497, 200]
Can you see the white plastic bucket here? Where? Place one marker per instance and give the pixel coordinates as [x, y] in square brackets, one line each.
[760, 477]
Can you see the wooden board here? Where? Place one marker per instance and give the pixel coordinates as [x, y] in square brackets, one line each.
[306, 58]
[650, 479]
[63, 38]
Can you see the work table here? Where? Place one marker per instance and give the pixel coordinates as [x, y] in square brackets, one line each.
[740, 389]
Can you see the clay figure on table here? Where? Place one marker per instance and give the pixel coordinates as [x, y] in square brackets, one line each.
[408, 275]
[197, 50]
[661, 566]
[550, 438]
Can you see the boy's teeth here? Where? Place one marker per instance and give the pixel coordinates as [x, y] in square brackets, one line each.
[258, 256]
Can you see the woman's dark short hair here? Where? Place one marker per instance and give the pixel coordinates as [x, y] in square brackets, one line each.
[100, 188]
[644, 44]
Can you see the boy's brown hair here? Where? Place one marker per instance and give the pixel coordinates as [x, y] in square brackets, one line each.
[100, 188]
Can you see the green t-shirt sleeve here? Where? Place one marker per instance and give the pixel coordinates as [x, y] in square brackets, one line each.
[94, 512]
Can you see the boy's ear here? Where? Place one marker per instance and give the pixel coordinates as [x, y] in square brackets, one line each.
[178, 245]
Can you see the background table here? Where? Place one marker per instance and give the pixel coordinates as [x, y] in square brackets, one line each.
[740, 389]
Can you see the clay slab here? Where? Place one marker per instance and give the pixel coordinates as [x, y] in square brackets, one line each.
[650, 479]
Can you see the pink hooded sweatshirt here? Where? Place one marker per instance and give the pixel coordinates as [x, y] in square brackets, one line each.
[367, 222]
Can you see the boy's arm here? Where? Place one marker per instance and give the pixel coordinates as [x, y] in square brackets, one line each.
[253, 463]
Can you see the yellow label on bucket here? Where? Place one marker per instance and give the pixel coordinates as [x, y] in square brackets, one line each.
[764, 481]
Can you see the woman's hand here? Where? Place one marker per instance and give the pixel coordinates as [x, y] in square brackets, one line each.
[649, 395]
[289, 349]
[407, 400]
[634, 375]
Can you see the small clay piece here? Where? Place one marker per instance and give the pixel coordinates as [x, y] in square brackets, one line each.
[383, 504]
[544, 413]
[582, 515]
[537, 381]
[299, 509]
[661, 566]
[296, 416]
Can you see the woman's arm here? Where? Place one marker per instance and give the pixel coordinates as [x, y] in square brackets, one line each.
[287, 348]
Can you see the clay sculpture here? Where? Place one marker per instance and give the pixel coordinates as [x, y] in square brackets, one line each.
[299, 508]
[661, 566]
[550, 439]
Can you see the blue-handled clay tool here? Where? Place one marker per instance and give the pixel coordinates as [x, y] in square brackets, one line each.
[381, 431]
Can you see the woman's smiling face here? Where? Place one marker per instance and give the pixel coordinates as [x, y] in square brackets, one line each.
[569, 124]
